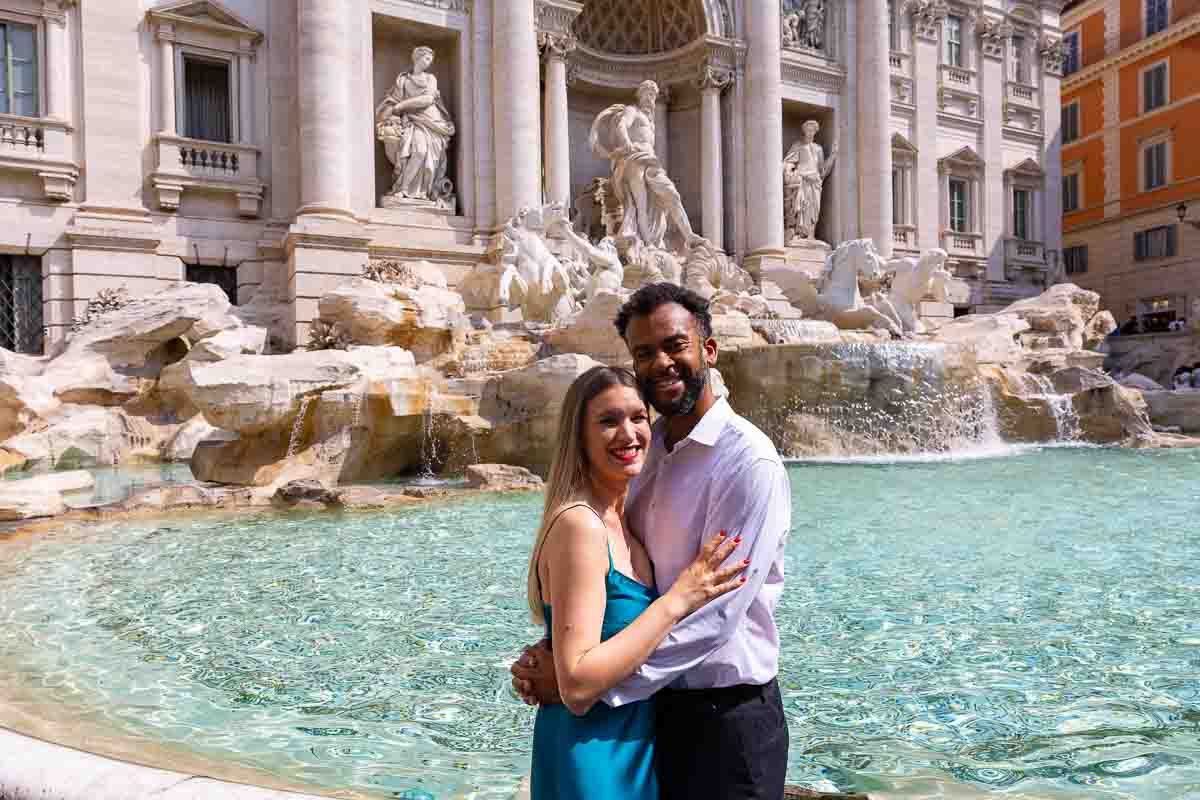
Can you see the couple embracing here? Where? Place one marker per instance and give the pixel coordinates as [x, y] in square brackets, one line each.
[656, 571]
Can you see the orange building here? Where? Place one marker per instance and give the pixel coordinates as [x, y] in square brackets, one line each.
[1131, 155]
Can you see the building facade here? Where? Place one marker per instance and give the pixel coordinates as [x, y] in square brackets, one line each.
[241, 142]
[1130, 104]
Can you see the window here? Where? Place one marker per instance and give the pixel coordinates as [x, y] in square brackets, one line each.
[1071, 53]
[1156, 16]
[1070, 122]
[1075, 259]
[21, 304]
[958, 205]
[1021, 205]
[1070, 192]
[954, 41]
[1154, 87]
[225, 277]
[1020, 60]
[19, 70]
[897, 197]
[207, 113]
[1154, 243]
[1154, 166]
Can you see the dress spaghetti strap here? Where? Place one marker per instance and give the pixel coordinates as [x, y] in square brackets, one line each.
[554, 522]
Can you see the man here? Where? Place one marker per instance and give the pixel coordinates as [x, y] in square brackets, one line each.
[721, 731]
[650, 202]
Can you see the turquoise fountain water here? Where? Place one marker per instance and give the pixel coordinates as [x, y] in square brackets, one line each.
[1027, 624]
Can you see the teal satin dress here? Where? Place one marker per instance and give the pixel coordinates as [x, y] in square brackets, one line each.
[608, 753]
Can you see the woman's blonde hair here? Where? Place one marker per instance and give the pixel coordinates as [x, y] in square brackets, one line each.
[568, 480]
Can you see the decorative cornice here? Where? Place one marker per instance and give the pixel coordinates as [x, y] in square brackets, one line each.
[557, 16]
[234, 28]
[461, 6]
[677, 66]
[713, 78]
[1174, 33]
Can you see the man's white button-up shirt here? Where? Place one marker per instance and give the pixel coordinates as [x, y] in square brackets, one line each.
[725, 476]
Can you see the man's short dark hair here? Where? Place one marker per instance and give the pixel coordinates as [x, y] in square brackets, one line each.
[646, 300]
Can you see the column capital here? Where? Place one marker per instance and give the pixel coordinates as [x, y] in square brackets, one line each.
[164, 32]
[927, 16]
[56, 11]
[556, 45]
[992, 33]
[1053, 54]
[713, 78]
[557, 16]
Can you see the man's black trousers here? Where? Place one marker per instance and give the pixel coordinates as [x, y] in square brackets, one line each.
[721, 744]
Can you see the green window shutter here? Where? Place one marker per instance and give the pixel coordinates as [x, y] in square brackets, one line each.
[22, 70]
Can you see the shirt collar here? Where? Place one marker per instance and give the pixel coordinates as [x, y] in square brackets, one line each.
[709, 428]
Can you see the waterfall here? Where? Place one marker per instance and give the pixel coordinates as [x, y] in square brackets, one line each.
[1066, 420]
[429, 444]
[298, 426]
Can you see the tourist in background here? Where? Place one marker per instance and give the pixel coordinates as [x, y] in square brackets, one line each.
[720, 726]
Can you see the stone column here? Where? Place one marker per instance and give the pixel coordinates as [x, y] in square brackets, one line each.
[515, 104]
[556, 48]
[929, 210]
[245, 94]
[996, 210]
[1051, 54]
[58, 58]
[324, 73]
[166, 80]
[764, 137]
[712, 82]
[874, 125]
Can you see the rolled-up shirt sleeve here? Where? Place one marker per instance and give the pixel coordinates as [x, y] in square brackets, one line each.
[756, 504]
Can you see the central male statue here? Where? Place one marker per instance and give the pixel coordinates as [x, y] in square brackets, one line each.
[652, 206]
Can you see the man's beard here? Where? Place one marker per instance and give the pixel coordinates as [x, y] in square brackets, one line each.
[693, 387]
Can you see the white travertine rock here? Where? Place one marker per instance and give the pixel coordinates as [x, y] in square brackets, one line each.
[249, 394]
[76, 436]
[76, 480]
[1062, 309]
[1097, 329]
[1174, 409]
[182, 445]
[129, 336]
[29, 501]
[592, 333]
[1135, 380]
[501, 478]
[371, 313]
[993, 337]
[242, 340]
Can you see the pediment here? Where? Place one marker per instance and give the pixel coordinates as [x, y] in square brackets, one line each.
[205, 14]
[1027, 169]
[963, 157]
[902, 145]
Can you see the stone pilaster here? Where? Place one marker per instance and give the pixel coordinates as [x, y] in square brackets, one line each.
[1051, 52]
[874, 125]
[662, 127]
[555, 50]
[764, 137]
[711, 82]
[926, 23]
[166, 79]
[325, 40]
[997, 200]
[58, 62]
[515, 96]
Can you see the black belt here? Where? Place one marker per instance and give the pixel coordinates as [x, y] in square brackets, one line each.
[719, 699]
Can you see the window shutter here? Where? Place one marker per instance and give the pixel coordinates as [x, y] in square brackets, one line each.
[1170, 241]
[23, 78]
[1083, 253]
[1139, 246]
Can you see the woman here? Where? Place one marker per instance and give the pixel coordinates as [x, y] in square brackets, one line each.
[590, 584]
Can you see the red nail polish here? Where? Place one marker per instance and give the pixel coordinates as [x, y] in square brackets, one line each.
[743, 580]
[722, 534]
[737, 539]
[746, 562]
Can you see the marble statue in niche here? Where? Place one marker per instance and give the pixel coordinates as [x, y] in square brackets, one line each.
[803, 24]
[652, 208]
[415, 127]
[805, 169]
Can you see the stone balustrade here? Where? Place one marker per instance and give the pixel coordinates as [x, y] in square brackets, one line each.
[1023, 94]
[1026, 252]
[965, 80]
[904, 237]
[42, 147]
[213, 166]
[962, 243]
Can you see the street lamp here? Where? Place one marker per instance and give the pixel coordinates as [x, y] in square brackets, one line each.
[1181, 212]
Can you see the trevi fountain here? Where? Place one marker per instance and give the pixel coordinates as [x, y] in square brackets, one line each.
[301, 569]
